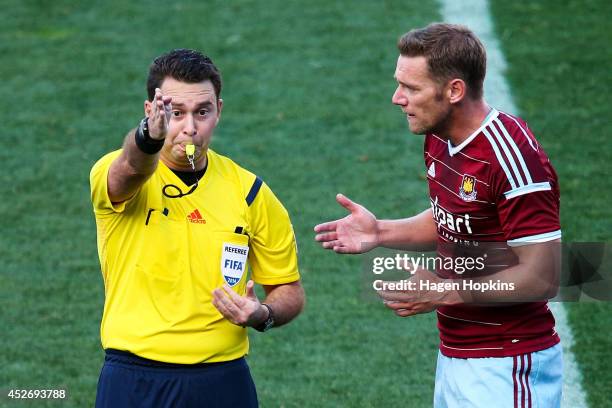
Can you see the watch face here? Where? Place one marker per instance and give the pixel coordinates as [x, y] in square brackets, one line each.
[269, 323]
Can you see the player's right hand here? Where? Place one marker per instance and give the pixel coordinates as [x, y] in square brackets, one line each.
[354, 234]
[159, 115]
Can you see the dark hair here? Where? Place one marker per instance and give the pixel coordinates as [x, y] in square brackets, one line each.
[183, 65]
[451, 51]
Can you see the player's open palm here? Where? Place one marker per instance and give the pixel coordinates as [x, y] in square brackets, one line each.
[354, 234]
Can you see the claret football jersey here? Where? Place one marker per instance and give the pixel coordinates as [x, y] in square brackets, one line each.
[497, 187]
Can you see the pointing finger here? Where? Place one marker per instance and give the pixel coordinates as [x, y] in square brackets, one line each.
[167, 104]
[154, 108]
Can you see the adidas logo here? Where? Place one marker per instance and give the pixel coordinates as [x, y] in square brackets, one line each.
[196, 217]
[432, 169]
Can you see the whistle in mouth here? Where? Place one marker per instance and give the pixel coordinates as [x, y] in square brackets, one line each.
[189, 150]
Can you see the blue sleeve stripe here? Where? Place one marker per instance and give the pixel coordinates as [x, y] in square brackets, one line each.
[254, 190]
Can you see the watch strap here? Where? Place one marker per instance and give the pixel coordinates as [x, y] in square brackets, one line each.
[268, 323]
[143, 139]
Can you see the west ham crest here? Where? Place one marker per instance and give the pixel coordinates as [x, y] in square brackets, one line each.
[467, 190]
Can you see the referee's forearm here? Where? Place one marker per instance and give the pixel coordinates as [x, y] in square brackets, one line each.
[287, 301]
[142, 163]
[130, 170]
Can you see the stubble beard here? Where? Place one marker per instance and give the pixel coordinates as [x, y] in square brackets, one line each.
[442, 124]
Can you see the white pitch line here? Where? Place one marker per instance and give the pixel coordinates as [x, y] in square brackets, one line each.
[475, 14]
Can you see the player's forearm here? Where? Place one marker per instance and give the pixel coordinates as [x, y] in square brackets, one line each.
[287, 301]
[534, 278]
[511, 286]
[130, 170]
[416, 233]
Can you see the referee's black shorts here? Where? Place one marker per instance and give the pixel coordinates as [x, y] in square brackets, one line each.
[127, 380]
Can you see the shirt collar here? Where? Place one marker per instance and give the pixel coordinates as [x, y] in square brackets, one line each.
[453, 150]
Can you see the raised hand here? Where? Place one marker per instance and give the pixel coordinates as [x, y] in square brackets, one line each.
[159, 113]
[354, 234]
[241, 310]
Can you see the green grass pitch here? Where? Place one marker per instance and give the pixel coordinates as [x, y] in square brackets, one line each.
[308, 108]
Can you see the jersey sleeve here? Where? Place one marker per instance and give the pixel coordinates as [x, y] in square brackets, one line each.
[98, 181]
[273, 252]
[527, 197]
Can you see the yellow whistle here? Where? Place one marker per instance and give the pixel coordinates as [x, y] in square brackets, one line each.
[189, 150]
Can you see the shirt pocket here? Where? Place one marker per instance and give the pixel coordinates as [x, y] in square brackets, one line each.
[231, 253]
[164, 251]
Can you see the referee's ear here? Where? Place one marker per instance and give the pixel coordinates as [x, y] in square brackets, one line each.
[147, 107]
[219, 109]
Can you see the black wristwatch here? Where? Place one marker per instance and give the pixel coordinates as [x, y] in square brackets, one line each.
[268, 323]
[144, 127]
[143, 139]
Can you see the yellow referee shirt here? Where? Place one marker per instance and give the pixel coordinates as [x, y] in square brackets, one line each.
[162, 257]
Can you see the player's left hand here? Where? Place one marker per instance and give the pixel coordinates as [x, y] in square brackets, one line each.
[406, 303]
[241, 310]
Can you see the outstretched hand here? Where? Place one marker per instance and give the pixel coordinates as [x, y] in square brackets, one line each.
[354, 234]
[241, 310]
[159, 113]
[423, 296]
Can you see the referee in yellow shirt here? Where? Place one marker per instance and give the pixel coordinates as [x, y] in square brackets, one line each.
[180, 228]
